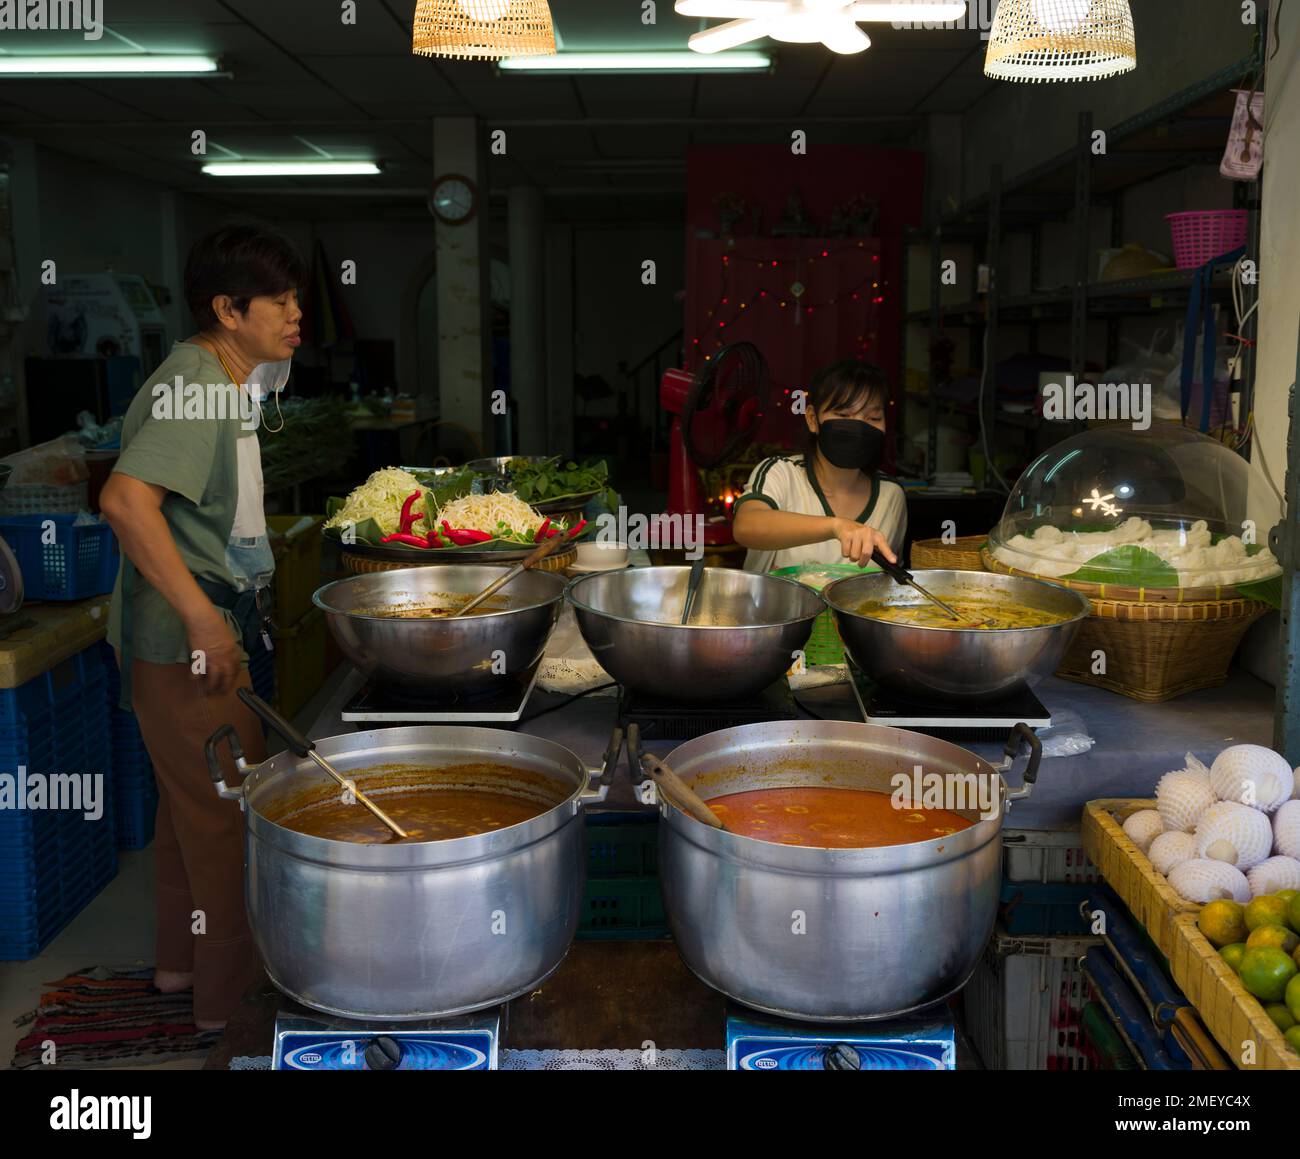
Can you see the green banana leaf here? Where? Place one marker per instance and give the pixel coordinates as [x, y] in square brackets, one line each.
[1129, 565]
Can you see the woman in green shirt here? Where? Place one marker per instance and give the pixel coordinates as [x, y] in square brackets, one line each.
[185, 501]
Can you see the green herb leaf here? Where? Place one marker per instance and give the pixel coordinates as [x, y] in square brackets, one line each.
[1129, 565]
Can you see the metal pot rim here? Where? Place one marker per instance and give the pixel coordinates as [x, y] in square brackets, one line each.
[413, 855]
[319, 597]
[1080, 613]
[585, 607]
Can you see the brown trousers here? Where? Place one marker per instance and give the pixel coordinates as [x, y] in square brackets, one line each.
[198, 838]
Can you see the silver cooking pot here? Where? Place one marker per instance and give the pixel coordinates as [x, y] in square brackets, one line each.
[412, 930]
[832, 935]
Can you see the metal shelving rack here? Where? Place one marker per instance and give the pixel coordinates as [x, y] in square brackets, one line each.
[1187, 128]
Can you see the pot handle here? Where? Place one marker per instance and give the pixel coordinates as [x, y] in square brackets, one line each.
[215, 771]
[599, 780]
[1022, 732]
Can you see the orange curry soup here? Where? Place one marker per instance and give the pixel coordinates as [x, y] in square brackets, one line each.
[827, 818]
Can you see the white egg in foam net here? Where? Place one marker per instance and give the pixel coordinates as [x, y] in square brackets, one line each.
[1286, 830]
[1236, 834]
[1252, 775]
[1274, 874]
[1183, 795]
[1202, 881]
[1143, 828]
[1171, 848]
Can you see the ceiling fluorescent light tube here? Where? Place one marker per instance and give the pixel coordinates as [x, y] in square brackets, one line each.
[291, 168]
[91, 64]
[638, 62]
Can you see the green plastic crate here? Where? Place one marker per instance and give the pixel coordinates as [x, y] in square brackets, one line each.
[824, 645]
[621, 898]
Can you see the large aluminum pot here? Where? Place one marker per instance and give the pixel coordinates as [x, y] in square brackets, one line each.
[744, 629]
[442, 658]
[412, 930]
[833, 934]
[970, 664]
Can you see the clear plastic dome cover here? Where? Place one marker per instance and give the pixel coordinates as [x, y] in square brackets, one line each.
[1161, 508]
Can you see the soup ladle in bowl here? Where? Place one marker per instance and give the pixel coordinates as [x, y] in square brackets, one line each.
[300, 746]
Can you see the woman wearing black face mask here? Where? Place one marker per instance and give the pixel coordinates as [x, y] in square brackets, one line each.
[828, 505]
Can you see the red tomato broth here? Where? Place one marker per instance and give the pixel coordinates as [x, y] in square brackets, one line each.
[830, 818]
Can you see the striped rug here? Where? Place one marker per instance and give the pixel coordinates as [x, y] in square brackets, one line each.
[100, 1017]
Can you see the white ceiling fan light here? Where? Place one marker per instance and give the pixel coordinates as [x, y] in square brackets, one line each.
[1061, 40]
[827, 22]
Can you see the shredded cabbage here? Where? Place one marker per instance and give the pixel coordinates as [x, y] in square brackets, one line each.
[502, 514]
[379, 498]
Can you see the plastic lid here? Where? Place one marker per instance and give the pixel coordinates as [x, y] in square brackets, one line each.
[1160, 508]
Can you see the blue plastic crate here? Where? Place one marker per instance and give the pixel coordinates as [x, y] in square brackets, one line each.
[134, 813]
[1044, 908]
[82, 561]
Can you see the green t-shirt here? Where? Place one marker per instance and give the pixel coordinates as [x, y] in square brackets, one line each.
[195, 458]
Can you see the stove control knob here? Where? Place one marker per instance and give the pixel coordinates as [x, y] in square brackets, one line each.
[841, 1056]
[383, 1053]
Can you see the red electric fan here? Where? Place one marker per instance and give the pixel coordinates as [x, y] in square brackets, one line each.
[717, 414]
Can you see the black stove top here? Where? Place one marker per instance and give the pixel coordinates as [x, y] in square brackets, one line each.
[672, 720]
[987, 720]
[498, 707]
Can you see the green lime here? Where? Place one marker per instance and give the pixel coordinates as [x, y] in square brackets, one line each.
[1233, 954]
[1266, 910]
[1223, 922]
[1281, 1016]
[1292, 997]
[1287, 894]
[1271, 934]
[1293, 914]
[1293, 1038]
[1265, 972]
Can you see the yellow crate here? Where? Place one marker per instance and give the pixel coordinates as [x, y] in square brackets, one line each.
[297, 563]
[1128, 871]
[1234, 1016]
[300, 666]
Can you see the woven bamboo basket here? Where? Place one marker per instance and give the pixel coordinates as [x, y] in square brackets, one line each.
[1129, 872]
[361, 565]
[1153, 649]
[483, 29]
[1235, 1017]
[962, 554]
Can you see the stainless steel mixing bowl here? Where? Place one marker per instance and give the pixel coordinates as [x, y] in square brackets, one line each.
[744, 632]
[442, 658]
[970, 664]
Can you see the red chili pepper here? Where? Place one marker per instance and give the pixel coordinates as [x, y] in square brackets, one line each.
[407, 539]
[581, 524]
[409, 518]
[543, 531]
[461, 537]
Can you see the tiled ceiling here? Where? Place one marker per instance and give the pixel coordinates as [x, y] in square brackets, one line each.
[302, 81]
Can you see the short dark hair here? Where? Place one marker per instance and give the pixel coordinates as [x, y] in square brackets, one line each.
[244, 260]
[848, 385]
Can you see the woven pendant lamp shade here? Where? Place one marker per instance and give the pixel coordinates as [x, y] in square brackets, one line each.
[1053, 40]
[483, 29]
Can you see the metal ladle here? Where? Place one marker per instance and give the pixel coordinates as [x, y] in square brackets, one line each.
[300, 746]
[901, 575]
[693, 586]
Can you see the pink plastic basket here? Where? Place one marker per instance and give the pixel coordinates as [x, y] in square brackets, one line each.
[1202, 235]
